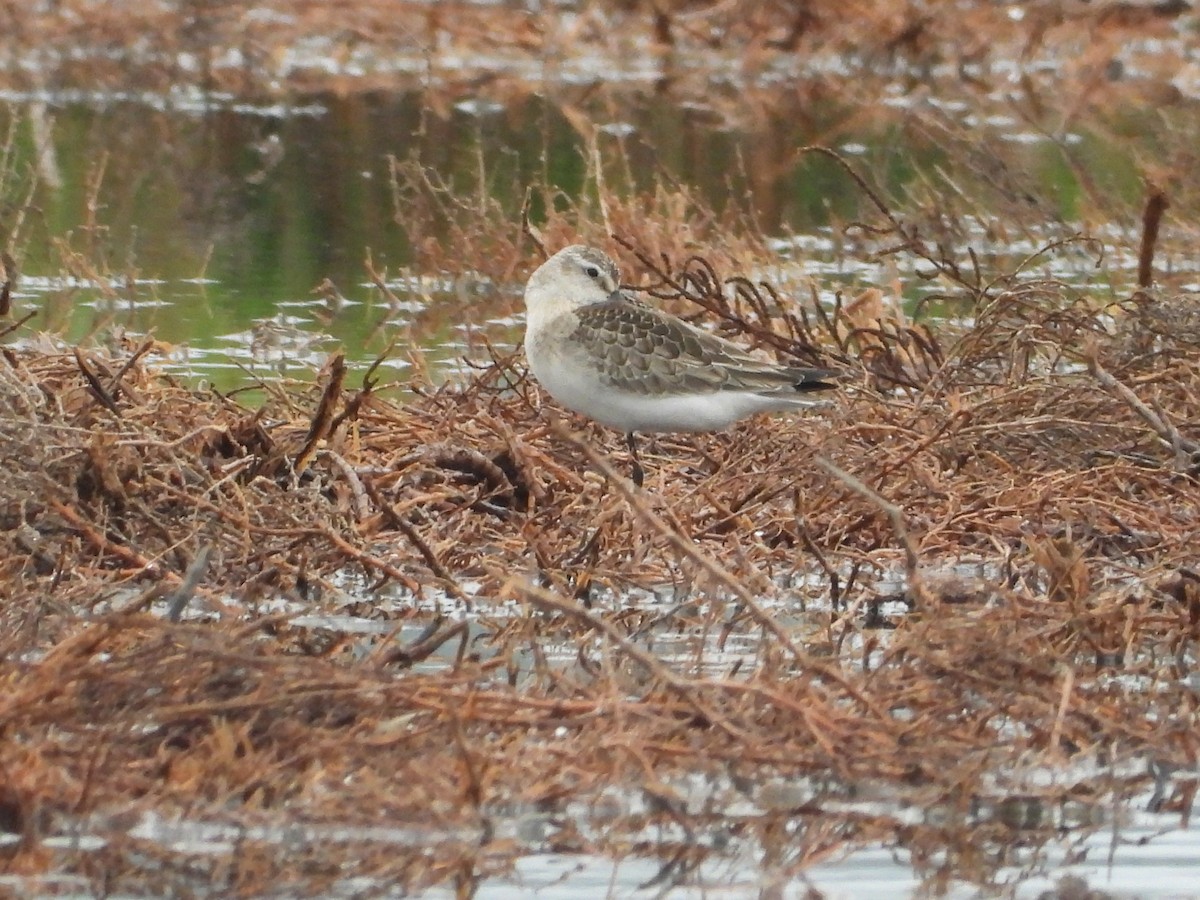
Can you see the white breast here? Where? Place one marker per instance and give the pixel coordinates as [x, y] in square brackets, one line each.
[580, 390]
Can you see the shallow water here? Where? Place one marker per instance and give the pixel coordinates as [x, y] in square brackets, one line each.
[1150, 856]
[236, 234]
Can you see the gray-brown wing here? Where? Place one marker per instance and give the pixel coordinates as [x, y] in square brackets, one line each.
[639, 349]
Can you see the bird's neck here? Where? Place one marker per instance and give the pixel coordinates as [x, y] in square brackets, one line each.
[547, 309]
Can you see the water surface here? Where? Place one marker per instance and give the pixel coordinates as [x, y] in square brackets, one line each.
[238, 232]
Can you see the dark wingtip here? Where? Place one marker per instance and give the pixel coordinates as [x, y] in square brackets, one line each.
[815, 379]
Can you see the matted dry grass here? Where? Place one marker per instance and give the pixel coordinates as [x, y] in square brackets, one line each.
[1050, 444]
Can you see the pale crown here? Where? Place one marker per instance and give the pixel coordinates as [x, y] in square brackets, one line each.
[574, 277]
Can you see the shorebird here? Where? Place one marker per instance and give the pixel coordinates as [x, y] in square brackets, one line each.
[632, 367]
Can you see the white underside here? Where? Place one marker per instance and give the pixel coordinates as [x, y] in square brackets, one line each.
[579, 391]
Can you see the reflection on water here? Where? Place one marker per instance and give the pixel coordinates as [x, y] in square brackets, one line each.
[1153, 857]
[229, 225]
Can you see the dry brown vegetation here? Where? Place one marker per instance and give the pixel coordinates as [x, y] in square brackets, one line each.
[136, 498]
[979, 565]
[298, 45]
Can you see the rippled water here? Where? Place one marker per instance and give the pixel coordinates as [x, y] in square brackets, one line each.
[1148, 856]
[236, 234]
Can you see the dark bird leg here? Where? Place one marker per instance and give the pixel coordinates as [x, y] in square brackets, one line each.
[639, 474]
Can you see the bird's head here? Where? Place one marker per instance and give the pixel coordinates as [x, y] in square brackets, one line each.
[573, 277]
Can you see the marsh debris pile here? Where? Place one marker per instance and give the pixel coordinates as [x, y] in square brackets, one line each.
[982, 558]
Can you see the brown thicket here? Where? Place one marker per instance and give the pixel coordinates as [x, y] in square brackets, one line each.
[1043, 466]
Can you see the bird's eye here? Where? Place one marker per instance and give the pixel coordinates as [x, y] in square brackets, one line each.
[592, 272]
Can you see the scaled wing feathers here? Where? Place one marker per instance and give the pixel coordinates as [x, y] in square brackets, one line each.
[636, 348]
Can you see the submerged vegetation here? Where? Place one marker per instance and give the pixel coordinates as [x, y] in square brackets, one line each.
[361, 635]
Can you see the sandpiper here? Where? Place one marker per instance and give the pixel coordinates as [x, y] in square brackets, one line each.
[629, 366]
